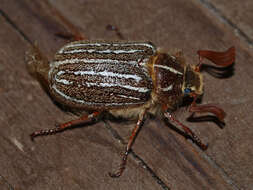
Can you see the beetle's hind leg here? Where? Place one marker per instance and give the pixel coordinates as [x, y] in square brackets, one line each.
[122, 166]
[85, 118]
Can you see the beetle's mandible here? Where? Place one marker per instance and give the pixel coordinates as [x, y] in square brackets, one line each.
[126, 79]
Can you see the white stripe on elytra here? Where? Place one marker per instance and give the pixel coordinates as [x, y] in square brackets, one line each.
[60, 73]
[167, 88]
[130, 97]
[56, 64]
[107, 51]
[63, 81]
[91, 103]
[139, 89]
[106, 73]
[168, 68]
[72, 45]
[77, 60]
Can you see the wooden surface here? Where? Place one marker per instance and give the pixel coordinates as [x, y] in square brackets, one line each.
[81, 158]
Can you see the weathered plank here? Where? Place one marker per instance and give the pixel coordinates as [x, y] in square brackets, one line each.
[73, 160]
[181, 24]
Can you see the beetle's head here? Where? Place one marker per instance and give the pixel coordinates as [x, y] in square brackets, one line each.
[193, 82]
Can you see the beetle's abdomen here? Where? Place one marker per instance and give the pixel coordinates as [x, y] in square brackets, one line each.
[102, 75]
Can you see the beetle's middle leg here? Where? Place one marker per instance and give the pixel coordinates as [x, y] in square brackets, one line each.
[129, 145]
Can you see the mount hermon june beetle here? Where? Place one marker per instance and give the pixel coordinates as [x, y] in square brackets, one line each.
[127, 79]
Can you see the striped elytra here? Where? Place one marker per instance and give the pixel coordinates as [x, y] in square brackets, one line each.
[102, 74]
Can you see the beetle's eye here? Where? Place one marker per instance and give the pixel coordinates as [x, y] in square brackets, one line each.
[187, 91]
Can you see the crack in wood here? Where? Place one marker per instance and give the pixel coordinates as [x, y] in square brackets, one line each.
[221, 170]
[225, 20]
[16, 28]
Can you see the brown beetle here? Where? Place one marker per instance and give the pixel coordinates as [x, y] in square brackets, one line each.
[127, 79]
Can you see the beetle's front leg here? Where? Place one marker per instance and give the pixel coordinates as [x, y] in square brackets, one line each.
[187, 130]
[122, 167]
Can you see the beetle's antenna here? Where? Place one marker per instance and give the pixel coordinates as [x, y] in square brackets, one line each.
[207, 108]
[222, 59]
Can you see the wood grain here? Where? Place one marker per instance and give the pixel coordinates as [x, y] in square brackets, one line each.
[81, 158]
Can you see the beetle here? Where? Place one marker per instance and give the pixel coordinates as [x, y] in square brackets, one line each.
[126, 79]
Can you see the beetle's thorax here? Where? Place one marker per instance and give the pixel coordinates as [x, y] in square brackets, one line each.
[168, 77]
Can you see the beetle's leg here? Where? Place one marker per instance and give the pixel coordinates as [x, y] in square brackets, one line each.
[64, 126]
[223, 59]
[128, 147]
[187, 130]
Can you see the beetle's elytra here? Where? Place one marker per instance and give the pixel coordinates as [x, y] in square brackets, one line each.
[124, 78]
[100, 75]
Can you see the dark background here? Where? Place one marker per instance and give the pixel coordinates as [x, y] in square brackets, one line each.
[81, 158]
